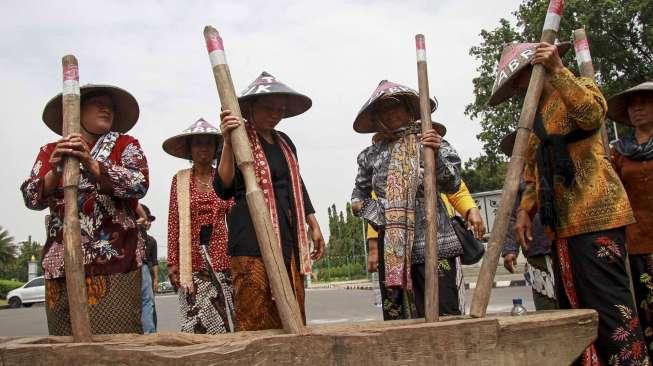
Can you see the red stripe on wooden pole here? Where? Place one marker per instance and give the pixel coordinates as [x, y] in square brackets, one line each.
[586, 67]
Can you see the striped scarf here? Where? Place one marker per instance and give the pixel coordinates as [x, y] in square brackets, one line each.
[264, 179]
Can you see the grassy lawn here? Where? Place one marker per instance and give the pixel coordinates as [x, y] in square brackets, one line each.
[3, 302]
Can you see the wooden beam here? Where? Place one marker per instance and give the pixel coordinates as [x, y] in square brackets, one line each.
[533, 339]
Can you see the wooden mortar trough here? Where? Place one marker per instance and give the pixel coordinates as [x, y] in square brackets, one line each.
[541, 338]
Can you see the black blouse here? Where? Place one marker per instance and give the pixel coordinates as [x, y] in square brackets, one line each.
[242, 237]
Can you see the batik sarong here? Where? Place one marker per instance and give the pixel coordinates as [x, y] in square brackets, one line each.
[641, 267]
[539, 275]
[114, 304]
[254, 303]
[204, 311]
[593, 275]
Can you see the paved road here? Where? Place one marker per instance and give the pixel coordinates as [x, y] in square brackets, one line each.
[323, 306]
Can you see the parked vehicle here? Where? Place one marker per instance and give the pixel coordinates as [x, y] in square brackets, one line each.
[28, 294]
[165, 287]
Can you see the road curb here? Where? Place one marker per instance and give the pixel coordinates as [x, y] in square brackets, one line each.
[499, 284]
[469, 285]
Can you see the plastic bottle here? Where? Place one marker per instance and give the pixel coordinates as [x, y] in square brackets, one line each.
[517, 308]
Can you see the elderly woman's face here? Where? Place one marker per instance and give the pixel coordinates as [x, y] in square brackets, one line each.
[267, 111]
[392, 113]
[97, 114]
[202, 149]
[640, 109]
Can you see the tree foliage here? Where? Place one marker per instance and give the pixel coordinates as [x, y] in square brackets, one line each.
[7, 253]
[620, 34]
[345, 254]
[162, 270]
[347, 235]
[27, 250]
[484, 174]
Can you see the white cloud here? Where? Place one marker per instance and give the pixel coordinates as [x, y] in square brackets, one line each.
[336, 52]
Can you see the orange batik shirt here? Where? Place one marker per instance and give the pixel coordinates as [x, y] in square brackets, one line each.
[596, 199]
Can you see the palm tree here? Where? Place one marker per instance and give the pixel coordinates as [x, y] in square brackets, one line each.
[7, 252]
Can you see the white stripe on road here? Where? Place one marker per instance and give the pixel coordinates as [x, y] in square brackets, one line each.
[340, 320]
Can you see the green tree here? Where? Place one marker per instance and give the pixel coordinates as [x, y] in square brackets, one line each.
[7, 253]
[345, 254]
[162, 270]
[621, 40]
[27, 250]
[346, 233]
[484, 173]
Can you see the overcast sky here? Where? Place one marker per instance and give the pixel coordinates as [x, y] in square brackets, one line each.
[334, 51]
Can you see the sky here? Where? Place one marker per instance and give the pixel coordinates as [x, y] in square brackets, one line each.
[336, 52]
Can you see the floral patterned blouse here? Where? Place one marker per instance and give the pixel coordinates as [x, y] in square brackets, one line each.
[206, 209]
[111, 242]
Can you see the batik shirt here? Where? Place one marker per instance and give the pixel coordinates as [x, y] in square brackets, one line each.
[596, 199]
[372, 176]
[111, 241]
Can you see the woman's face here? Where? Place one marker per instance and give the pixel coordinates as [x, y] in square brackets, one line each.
[267, 111]
[392, 113]
[640, 109]
[202, 149]
[97, 114]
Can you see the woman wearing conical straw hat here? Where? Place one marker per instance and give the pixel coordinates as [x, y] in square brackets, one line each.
[392, 168]
[632, 157]
[114, 176]
[581, 201]
[264, 103]
[196, 216]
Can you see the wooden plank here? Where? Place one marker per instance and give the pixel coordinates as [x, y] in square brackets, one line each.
[533, 339]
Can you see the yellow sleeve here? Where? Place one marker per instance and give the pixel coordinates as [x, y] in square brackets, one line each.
[462, 200]
[447, 205]
[371, 233]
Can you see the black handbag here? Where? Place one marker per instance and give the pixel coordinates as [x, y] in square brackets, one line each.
[473, 249]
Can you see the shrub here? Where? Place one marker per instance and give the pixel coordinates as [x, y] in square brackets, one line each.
[344, 272]
[8, 285]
